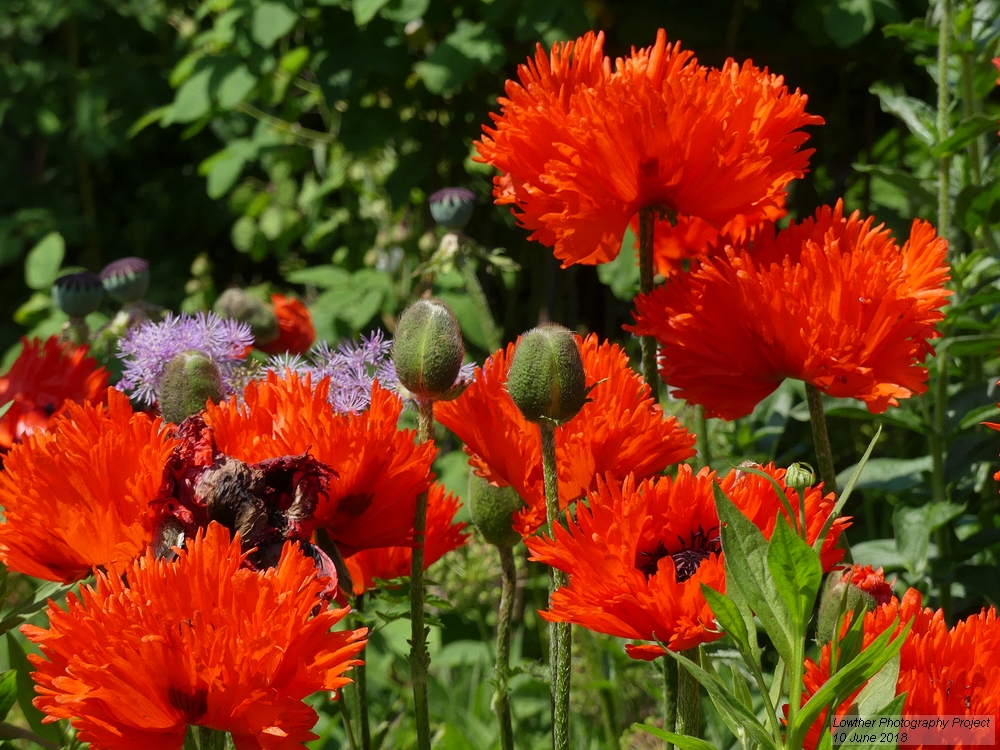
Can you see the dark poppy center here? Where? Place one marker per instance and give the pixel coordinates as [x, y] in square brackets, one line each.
[688, 558]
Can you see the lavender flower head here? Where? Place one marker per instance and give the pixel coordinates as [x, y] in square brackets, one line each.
[352, 368]
[148, 348]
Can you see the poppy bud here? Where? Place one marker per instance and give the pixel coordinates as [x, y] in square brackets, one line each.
[492, 509]
[126, 280]
[78, 294]
[428, 349]
[189, 380]
[866, 590]
[237, 304]
[546, 378]
[452, 206]
[799, 476]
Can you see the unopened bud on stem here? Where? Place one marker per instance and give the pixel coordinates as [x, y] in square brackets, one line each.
[492, 509]
[428, 349]
[546, 379]
[189, 380]
[237, 304]
[126, 280]
[799, 476]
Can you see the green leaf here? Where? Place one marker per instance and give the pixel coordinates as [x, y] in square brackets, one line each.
[8, 692]
[235, 87]
[680, 740]
[916, 31]
[223, 175]
[847, 22]
[916, 114]
[964, 133]
[913, 528]
[889, 474]
[404, 11]
[467, 316]
[912, 186]
[192, 99]
[746, 569]
[322, 277]
[41, 267]
[879, 553]
[893, 708]
[879, 691]
[48, 590]
[293, 60]
[154, 115]
[621, 275]
[728, 616]
[271, 21]
[366, 10]
[452, 62]
[797, 573]
[4, 408]
[26, 692]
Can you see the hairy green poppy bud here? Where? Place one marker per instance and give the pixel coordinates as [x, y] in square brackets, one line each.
[799, 476]
[237, 304]
[546, 378]
[189, 380]
[78, 294]
[492, 509]
[866, 589]
[428, 349]
[126, 280]
[452, 206]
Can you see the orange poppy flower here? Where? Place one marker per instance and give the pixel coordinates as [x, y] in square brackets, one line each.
[295, 327]
[943, 672]
[199, 641]
[620, 431]
[43, 379]
[380, 469]
[78, 495]
[386, 563]
[832, 301]
[636, 556]
[581, 147]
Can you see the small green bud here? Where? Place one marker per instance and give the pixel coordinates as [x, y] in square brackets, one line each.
[428, 349]
[237, 304]
[546, 378]
[492, 509]
[126, 280]
[842, 594]
[452, 206]
[799, 476]
[189, 380]
[78, 294]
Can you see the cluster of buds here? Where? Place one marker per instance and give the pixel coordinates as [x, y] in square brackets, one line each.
[125, 280]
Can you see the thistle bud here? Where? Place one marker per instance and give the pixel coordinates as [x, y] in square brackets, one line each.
[238, 305]
[428, 349]
[866, 590]
[492, 509]
[189, 380]
[452, 206]
[799, 476]
[546, 379]
[78, 294]
[126, 280]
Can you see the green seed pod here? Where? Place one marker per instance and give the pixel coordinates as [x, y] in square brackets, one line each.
[492, 509]
[237, 304]
[126, 280]
[78, 294]
[189, 380]
[799, 476]
[452, 206]
[858, 600]
[428, 349]
[546, 378]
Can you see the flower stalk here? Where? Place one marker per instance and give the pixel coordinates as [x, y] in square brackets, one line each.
[944, 181]
[688, 697]
[647, 225]
[559, 632]
[501, 700]
[821, 438]
[669, 668]
[419, 657]
[361, 678]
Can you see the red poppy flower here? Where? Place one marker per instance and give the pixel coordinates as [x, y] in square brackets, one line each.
[386, 563]
[295, 327]
[196, 641]
[581, 147]
[44, 378]
[636, 556]
[78, 495]
[620, 431]
[832, 301]
[380, 470]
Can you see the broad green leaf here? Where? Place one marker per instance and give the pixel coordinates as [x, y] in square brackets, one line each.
[404, 11]
[916, 30]
[322, 277]
[235, 87]
[728, 616]
[271, 21]
[914, 526]
[192, 99]
[889, 474]
[905, 181]
[797, 573]
[154, 115]
[621, 275]
[916, 114]
[746, 570]
[879, 553]
[454, 60]
[366, 10]
[847, 22]
[8, 692]
[880, 690]
[893, 708]
[4, 408]
[41, 267]
[26, 692]
[293, 60]
[964, 133]
[48, 590]
[682, 741]
[223, 175]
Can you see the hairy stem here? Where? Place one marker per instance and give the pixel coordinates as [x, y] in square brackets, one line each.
[647, 225]
[701, 422]
[490, 330]
[559, 632]
[348, 728]
[939, 491]
[212, 739]
[688, 696]
[821, 438]
[361, 677]
[944, 39]
[501, 701]
[669, 668]
[419, 658]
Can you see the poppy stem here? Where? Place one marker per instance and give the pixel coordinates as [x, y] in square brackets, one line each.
[704, 452]
[560, 645]
[419, 657]
[688, 696]
[669, 667]
[490, 330]
[212, 739]
[346, 712]
[821, 438]
[501, 701]
[362, 686]
[647, 229]
[944, 196]
[939, 489]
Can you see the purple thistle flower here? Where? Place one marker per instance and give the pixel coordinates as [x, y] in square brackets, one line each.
[148, 348]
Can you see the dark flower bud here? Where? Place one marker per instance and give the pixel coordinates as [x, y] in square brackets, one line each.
[189, 380]
[78, 294]
[452, 207]
[428, 349]
[237, 304]
[126, 280]
[546, 378]
[866, 589]
[492, 509]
